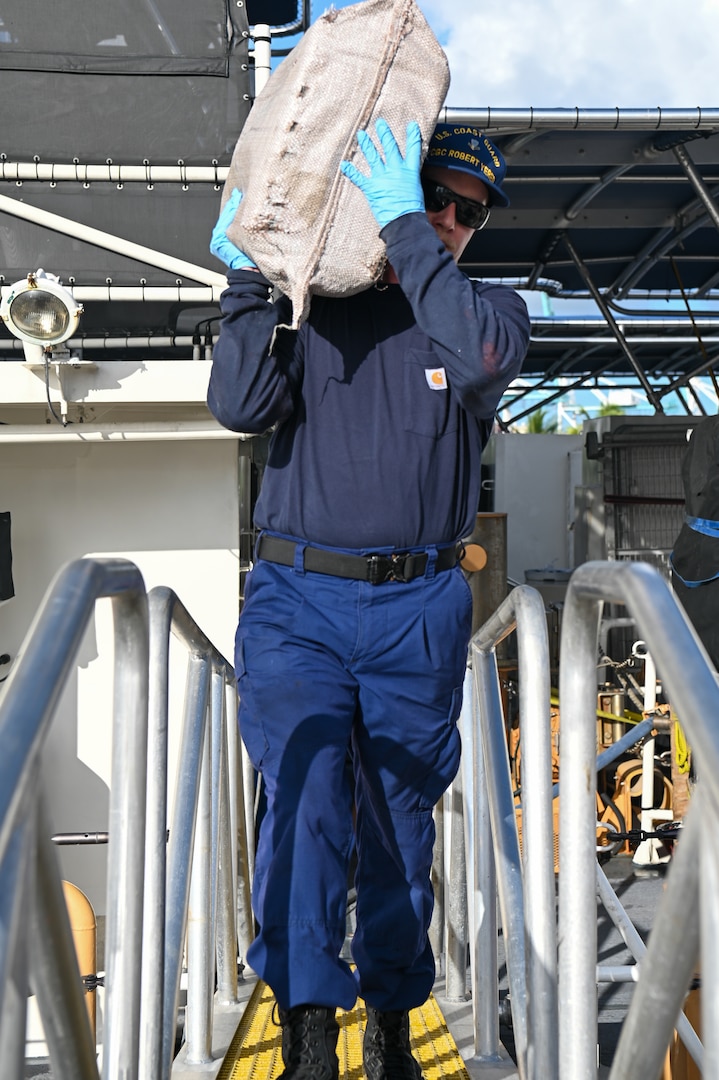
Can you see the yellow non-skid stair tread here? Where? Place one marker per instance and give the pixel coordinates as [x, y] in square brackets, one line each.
[255, 1051]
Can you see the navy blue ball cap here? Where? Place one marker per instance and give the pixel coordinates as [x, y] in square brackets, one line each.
[457, 146]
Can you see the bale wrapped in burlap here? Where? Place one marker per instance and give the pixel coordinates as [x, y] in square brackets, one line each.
[305, 225]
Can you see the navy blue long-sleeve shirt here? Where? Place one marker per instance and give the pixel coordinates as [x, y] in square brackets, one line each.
[382, 401]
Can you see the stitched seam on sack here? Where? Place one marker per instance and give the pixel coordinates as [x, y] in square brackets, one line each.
[395, 35]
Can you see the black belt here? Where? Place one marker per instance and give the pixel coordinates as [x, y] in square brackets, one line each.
[377, 569]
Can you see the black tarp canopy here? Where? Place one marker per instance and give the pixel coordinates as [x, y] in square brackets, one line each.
[123, 118]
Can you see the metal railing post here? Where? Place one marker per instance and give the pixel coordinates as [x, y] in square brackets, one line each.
[241, 794]
[670, 957]
[529, 930]
[709, 926]
[226, 861]
[456, 902]
[52, 960]
[578, 1010]
[153, 943]
[126, 824]
[143, 963]
[506, 843]
[200, 929]
[481, 884]
[691, 685]
[15, 886]
[181, 842]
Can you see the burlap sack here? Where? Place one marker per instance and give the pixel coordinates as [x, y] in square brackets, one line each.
[305, 225]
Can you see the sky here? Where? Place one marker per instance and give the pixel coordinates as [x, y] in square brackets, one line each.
[566, 53]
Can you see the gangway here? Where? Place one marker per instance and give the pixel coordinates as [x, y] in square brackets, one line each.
[189, 907]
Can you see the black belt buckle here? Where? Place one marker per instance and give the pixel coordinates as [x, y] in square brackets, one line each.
[383, 568]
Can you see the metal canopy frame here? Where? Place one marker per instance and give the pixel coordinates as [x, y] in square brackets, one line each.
[613, 218]
[615, 210]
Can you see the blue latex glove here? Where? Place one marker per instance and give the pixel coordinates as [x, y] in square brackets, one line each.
[393, 186]
[220, 243]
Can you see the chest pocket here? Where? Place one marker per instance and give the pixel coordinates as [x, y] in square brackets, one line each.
[429, 408]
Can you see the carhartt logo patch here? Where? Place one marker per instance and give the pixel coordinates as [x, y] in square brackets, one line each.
[436, 378]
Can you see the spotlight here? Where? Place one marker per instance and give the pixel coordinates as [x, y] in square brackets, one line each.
[38, 310]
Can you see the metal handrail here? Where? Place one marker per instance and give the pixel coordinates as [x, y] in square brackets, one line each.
[529, 928]
[691, 685]
[31, 696]
[209, 792]
[202, 864]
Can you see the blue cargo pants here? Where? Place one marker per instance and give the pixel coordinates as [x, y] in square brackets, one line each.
[331, 670]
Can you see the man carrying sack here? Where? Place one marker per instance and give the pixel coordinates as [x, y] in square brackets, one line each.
[354, 632]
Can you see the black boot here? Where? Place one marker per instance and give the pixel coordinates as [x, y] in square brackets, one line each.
[309, 1043]
[385, 1052]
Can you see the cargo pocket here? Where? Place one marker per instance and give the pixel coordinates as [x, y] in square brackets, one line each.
[251, 728]
[447, 763]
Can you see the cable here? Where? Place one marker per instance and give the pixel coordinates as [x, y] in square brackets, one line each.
[47, 393]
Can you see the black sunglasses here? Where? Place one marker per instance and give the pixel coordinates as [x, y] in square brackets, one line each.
[470, 213]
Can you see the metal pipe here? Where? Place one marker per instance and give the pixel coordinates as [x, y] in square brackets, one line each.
[52, 956]
[635, 733]
[633, 339]
[663, 242]
[200, 930]
[111, 433]
[690, 683]
[694, 176]
[179, 852]
[524, 608]
[642, 856]
[15, 894]
[684, 380]
[225, 909]
[436, 932]
[661, 322]
[178, 293]
[564, 389]
[481, 884]
[575, 119]
[168, 614]
[153, 942]
[667, 964]
[242, 784]
[506, 842]
[50, 647]
[263, 56]
[595, 189]
[147, 341]
[708, 891]
[621, 341]
[577, 840]
[537, 831]
[75, 839]
[126, 826]
[105, 240]
[456, 904]
[112, 173]
[617, 973]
